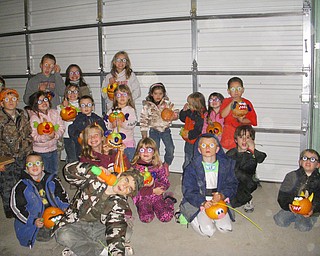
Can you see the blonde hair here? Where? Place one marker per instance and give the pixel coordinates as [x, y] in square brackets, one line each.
[198, 102]
[86, 148]
[147, 143]
[123, 88]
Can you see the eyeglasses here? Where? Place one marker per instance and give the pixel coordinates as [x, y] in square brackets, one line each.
[12, 99]
[48, 65]
[233, 89]
[89, 105]
[149, 150]
[312, 159]
[204, 145]
[121, 60]
[36, 163]
[118, 95]
[214, 100]
[41, 101]
[74, 73]
[73, 92]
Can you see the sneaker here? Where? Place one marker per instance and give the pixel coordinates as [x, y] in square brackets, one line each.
[166, 167]
[128, 249]
[249, 207]
[169, 195]
[67, 252]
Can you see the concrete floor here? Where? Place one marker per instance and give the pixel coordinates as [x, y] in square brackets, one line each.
[174, 239]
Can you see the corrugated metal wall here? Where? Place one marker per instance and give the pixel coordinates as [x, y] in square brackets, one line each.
[261, 41]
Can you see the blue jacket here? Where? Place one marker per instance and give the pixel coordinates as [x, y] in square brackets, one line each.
[27, 205]
[194, 182]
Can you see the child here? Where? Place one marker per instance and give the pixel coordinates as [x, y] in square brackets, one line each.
[95, 149]
[150, 119]
[35, 191]
[247, 158]
[232, 121]
[121, 73]
[45, 142]
[192, 115]
[71, 98]
[49, 81]
[123, 102]
[306, 179]
[99, 213]
[207, 180]
[152, 198]
[74, 76]
[83, 119]
[213, 115]
[15, 142]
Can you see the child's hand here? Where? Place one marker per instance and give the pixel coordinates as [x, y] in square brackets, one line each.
[106, 148]
[42, 87]
[112, 80]
[184, 133]
[65, 102]
[56, 68]
[186, 107]
[2, 168]
[309, 214]
[216, 197]
[158, 191]
[51, 135]
[207, 204]
[251, 144]
[122, 147]
[39, 222]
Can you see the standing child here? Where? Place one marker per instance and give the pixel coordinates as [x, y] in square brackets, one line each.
[123, 102]
[74, 76]
[192, 116]
[15, 143]
[121, 73]
[213, 117]
[71, 99]
[236, 111]
[47, 128]
[152, 198]
[247, 158]
[83, 119]
[49, 81]
[307, 180]
[151, 119]
[36, 191]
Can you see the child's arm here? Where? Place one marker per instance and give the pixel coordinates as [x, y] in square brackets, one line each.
[226, 107]
[78, 173]
[131, 123]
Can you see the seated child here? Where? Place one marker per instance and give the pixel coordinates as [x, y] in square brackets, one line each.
[307, 180]
[247, 158]
[35, 191]
[208, 179]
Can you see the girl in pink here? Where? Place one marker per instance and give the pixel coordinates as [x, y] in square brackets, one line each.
[213, 115]
[45, 143]
[152, 199]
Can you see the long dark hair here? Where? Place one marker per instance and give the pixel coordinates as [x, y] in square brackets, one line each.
[82, 82]
[33, 101]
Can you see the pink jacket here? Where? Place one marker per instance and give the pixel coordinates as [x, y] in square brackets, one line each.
[214, 118]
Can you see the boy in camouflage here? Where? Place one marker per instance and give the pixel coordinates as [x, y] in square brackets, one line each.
[15, 143]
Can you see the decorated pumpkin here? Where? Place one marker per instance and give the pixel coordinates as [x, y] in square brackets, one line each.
[68, 113]
[302, 204]
[116, 115]
[45, 128]
[217, 211]
[215, 128]
[110, 90]
[240, 108]
[114, 139]
[51, 216]
[167, 114]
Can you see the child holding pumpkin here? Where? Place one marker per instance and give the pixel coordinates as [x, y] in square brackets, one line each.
[34, 192]
[213, 121]
[121, 73]
[122, 118]
[152, 199]
[305, 180]
[47, 128]
[152, 118]
[236, 111]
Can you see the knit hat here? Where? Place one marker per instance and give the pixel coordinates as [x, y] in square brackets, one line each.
[138, 179]
[6, 91]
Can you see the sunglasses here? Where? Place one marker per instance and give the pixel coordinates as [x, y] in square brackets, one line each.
[312, 159]
[41, 101]
[149, 150]
[36, 163]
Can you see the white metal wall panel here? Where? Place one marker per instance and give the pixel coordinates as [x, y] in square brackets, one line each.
[11, 16]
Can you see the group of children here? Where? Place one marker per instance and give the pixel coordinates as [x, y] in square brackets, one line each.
[220, 158]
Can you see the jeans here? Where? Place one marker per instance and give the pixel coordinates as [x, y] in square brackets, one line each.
[285, 218]
[167, 141]
[188, 154]
[51, 161]
[70, 148]
[129, 152]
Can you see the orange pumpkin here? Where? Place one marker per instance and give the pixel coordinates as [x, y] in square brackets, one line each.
[301, 204]
[110, 90]
[240, 108]
[116, 115]
[45, 128]
[167, 114]
[215, 128]
[51, 216]
[68, 113]
[217, 211]
[114, 140]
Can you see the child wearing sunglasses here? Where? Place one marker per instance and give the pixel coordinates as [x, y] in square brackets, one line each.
[74, 76]
[152, 199]
[121, 73]
[307, 180]
[34, 192]
[233, 111]
[83, 119]
[47, 129]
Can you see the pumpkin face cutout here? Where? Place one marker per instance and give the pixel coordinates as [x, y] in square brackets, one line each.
[114, 139]
[167, 114]
[116, 115]
[217, 211]
[68, 113]
[45, 128]
[51, 216]
[239, 109]
[215, 128]
[110, 90]
[301, 204]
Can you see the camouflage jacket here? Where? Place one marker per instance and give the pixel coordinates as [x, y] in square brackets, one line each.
[15, 134]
